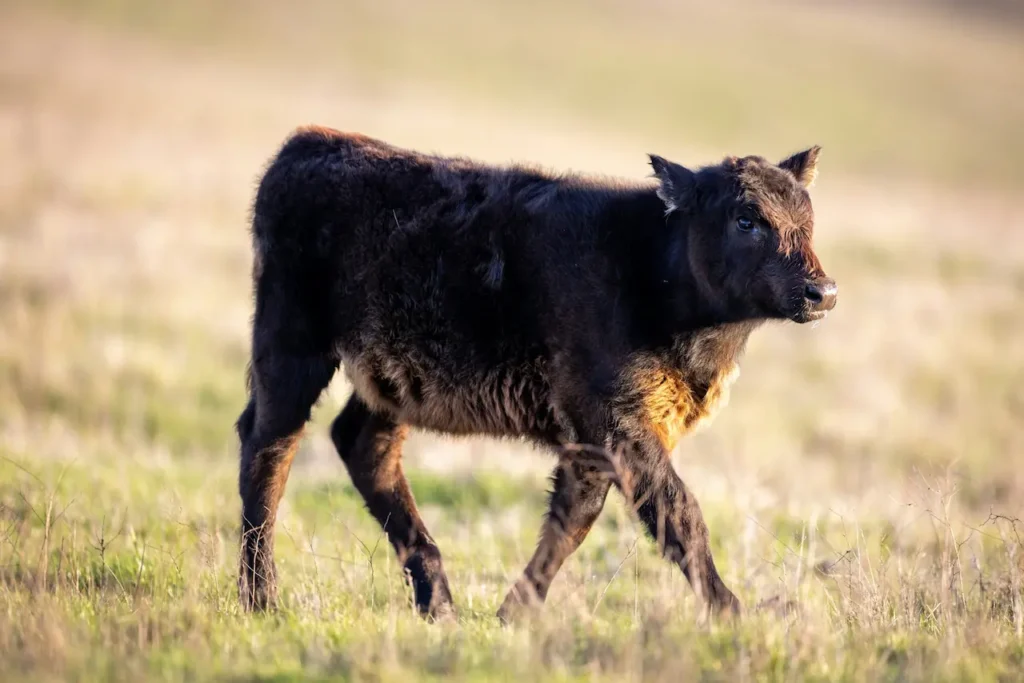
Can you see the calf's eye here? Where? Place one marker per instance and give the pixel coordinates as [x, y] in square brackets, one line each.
[746, 225]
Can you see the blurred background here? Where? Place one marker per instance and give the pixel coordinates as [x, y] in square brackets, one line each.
[132, 135]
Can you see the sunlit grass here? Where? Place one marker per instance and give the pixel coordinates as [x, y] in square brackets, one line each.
[147, 589]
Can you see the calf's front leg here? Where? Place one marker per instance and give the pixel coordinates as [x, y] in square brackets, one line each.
[667, 508]
[672, 516]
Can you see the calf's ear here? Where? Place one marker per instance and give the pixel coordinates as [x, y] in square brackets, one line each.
[675, 182]
[803, 165]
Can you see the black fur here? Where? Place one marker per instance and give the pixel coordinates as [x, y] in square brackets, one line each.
[468, 299]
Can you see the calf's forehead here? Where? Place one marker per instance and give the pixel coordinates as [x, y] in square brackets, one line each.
[781, 200]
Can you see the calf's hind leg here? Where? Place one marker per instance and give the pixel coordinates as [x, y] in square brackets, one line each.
[370, 445]
[282, 393]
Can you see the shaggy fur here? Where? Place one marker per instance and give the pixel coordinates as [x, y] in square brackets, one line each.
[583, 315]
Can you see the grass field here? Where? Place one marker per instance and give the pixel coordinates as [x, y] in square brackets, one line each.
[864, 488]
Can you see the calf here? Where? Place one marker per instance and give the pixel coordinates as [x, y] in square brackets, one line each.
[584, 315]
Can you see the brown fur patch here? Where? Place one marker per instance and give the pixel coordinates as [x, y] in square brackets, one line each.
[669, 404]
[269, 473]
[781, 200]
[322, 131]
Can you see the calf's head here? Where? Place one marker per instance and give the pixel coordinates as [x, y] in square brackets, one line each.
[747, 226]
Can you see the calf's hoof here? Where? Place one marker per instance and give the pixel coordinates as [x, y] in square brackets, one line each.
[258, 598]
[728, 608]
[521, 601]
[443, 613]
[430, 589]
[257, 591]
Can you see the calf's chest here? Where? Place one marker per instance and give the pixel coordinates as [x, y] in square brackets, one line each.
[671, 402]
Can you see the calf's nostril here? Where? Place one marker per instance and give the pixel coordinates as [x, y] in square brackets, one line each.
[813, 294]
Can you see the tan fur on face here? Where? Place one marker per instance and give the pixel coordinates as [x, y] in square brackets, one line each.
[781, 200]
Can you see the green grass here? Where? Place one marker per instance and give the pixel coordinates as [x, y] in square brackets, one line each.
[115, 576]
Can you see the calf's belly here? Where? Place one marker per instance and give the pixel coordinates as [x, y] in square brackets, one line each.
[507, 402]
